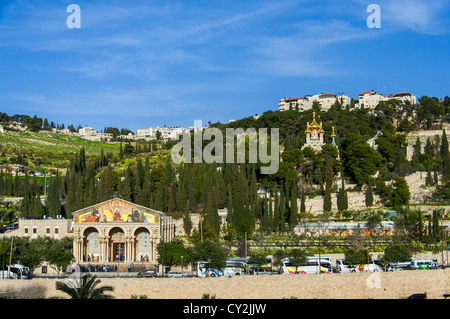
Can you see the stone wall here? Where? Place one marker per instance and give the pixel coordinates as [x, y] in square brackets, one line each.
[390, 285]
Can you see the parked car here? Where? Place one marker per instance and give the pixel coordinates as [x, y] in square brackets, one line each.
[176, 274]
[263, 271]
[147, 273]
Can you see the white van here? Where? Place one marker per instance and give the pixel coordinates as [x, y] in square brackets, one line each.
[15, 271]
[423, 264]
[343, 267]
[5, 274]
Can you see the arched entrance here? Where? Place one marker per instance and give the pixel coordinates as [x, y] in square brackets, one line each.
[91, 244]
[117, 244]
[144, 245]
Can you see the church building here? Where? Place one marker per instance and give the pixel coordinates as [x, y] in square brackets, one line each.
[314, 136]
[118, 230]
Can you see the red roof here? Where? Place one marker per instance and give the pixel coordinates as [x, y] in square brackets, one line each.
[401, 93]
[363, 93]
[327, 94]
[299, 98]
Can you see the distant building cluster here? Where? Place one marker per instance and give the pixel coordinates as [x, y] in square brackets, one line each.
[306, 103]
[366, 100]
[165, 133]
[372, 99]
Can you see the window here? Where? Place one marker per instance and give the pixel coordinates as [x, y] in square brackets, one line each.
[34, 230]
[47, 230]
[93, 243]
[56, 230]
[44, 269]
[144, 242]
[26, 230]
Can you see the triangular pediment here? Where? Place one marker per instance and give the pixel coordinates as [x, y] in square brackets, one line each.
[117, 210]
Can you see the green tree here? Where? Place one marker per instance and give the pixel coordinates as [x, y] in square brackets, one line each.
[369, 196]
[169, 253]
[359, 159]
[297, 257]
[293, 216]
[211, 252]
[396, 253]
[342, 199]
[53, 200]
[58, 257]
[400, 193]
[257, 258]
[327, 200]
[357, 256]
[445, 157]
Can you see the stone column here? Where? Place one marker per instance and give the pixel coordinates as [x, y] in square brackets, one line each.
[133, 248]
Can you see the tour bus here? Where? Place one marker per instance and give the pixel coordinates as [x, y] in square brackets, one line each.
[344, 267]
[202, 269]
[313, 265]
[423, 263]
[15, 271]
[236, 266]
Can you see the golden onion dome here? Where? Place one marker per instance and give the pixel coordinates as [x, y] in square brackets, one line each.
[314, 126]
[333, 135]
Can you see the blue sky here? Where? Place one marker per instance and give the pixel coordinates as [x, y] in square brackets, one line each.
[140, 63]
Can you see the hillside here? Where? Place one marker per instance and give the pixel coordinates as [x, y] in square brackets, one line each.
[47, 149]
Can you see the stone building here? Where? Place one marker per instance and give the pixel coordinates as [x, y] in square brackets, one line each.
[54, 228]
[118, 230]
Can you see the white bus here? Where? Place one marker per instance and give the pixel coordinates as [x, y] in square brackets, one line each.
[312, 266]
[202, 269]
[15, 271]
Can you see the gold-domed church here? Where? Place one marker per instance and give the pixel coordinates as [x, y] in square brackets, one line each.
[314, 135]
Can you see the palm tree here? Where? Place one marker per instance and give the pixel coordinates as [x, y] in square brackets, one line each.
[87, 288]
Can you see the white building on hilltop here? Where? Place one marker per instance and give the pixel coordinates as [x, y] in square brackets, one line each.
[404, 97]
[371, 99]
[306, 103]
[167, 133]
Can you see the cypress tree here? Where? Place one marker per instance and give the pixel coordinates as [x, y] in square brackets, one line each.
[429, 179]
[53, 202]
[2, 182]
[38, 209]
[445, 155]
[282, 211]
[106, 185]
[327, 200]
[270, 214]
[265, 216]
[369, 196]
[276, 213]
[187, 223]
[416, 154]
[16, 185]
[212, 217]
[303, 202]
[293, 216]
